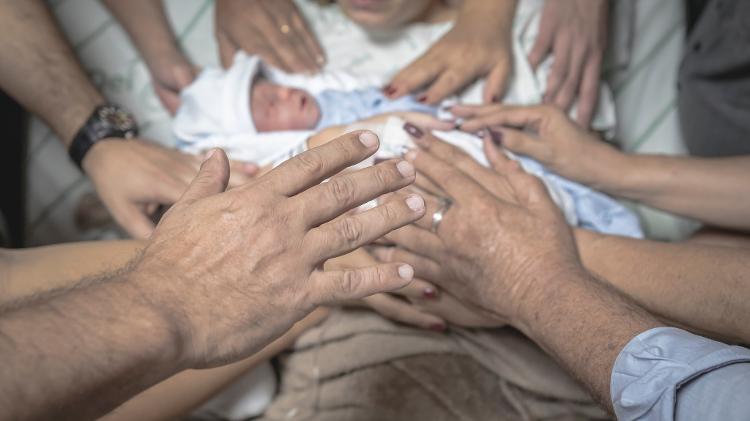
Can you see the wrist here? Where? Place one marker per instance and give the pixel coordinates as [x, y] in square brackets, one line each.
[606, 168]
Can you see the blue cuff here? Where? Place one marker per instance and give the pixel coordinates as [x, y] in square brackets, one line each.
[651, 368]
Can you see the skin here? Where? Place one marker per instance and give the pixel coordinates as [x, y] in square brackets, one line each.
[574, 32]
[45, 78]
[37, 271]
[276, 108]
[478, 45]
[522, 264]
[258, 26]
[711, 190]
[383, 15]
[146, 23]
[161, 311]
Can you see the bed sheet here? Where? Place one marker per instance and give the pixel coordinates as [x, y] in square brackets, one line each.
[644, 86]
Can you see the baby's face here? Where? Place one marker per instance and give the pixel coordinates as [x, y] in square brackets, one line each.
[275, 107]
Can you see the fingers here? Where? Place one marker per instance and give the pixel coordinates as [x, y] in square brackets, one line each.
[327, 200]
[521, 117]
[416, 75]
[227, 49]
[418, 241]
[449, 81]
[521, 143]
[418, 289]
[313, 166]
[310, 43]
[424, 268]
[212, 178]
[241, 173]
[496, 83]
[589, 94]
[569, 87]
[559, 69]
[348, 232]
[133, 220]
[542, 45]
[330, 287]
[404, 312]
[450, 153]
[497, 158]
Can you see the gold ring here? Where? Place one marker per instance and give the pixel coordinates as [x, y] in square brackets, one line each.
[285, 29]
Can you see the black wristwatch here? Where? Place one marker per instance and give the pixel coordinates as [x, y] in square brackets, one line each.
[107, 121]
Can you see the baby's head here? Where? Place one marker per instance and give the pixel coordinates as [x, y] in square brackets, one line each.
[275, 107]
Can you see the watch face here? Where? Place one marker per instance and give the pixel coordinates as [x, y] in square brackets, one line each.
[117, 119]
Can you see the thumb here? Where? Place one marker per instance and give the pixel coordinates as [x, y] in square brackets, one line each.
[183, 76]
[212, 178]
[336, 286]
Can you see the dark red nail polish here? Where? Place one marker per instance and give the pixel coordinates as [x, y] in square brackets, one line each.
[495, 99]
[389, 90]
[413, 130]
[437, 327]
[422, 98]
[497, 137]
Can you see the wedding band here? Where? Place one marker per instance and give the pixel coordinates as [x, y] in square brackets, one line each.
[437, 217]
[285, 29]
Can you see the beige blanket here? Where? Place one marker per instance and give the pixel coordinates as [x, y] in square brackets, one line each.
[359, 366]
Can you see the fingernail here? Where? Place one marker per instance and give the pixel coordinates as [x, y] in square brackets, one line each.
[429, 293]
[406, 169]
[415, 202]
[406, 272]
[403, 150]
[411, 155]
[389, 90]
[495, 98]
[437, 327]
[369, 139]
[413, 130]
[320, 59]
[209, 154]
[480, 133]
[497, 137]
[422, 98]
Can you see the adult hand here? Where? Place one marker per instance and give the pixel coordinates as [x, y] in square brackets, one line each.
[478, 45]
[546, 134]
[501, 240]
[133, 177]
[435, 303]
[238, 268]
[575, 33]
[273, 29]
[169, 77]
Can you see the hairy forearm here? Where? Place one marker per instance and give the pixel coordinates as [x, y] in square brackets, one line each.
[702, 287]
[584, 324]
[27, 272]
[149, 29]
[712, 190]
[40, 70]
[99, 339]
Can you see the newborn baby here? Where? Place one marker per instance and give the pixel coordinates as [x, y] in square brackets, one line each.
[242, 101]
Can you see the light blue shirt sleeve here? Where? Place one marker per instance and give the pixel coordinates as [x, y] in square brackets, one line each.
[670, 374]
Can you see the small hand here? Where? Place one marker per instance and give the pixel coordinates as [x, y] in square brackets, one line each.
[273, 29]
[236, 269]
[574, 32]
[478, 45]
[133, 177]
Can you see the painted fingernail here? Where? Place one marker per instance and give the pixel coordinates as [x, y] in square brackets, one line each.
[497, 137]
[369, 139]
[495, 98]
[413, 130]
[389, 90]
[422, 98]
[415, 202]
[406, 169]
[429, 292]
[406, 272]
[437, 327]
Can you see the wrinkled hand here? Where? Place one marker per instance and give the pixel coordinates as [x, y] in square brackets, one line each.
[502, 239]
[546, 134]
[273, 29]
[422, 295]
[575, 33]
[238, 268]
[133, 177]
[478, 45]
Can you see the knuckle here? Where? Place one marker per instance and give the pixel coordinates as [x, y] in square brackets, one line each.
[389, 213]
[350, 230]
[310, 162]
[341, 190]
[351, 281]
